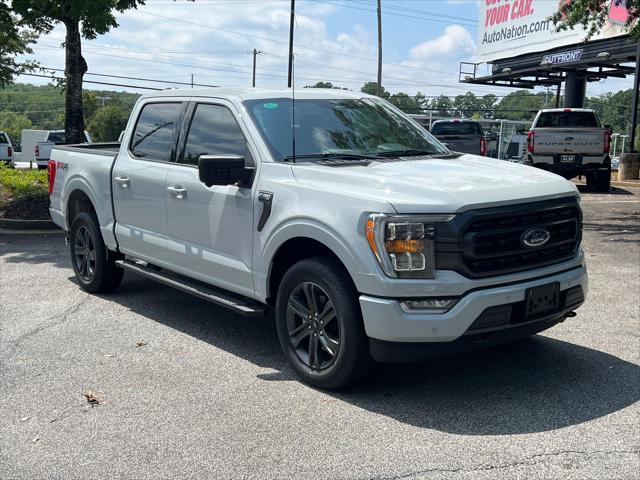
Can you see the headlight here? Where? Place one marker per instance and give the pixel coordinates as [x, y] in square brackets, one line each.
[404, 245]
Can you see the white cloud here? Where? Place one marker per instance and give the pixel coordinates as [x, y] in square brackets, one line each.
[456, 40]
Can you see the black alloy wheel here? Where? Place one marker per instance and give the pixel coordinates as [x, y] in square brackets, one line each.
[84, 254]
[319, 324]
[314, 331]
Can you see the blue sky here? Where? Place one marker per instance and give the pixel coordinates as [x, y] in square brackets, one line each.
[424, 42]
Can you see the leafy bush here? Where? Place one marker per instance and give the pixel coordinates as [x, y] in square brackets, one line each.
[22, 183]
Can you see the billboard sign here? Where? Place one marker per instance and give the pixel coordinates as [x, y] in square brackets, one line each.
[509, 28]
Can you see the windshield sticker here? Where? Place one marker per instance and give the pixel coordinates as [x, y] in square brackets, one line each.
[270, 105]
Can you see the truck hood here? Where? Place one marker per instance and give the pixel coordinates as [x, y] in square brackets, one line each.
[437, 185]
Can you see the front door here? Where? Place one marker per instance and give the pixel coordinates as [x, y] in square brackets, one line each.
[138, 182]
[210, 228]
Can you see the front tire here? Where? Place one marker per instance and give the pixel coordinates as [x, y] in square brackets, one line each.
[93, 265]
[319, 324]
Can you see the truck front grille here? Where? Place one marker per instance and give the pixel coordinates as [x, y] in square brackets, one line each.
[489, 242]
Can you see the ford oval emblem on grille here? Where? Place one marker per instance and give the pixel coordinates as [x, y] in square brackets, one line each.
[535, 237]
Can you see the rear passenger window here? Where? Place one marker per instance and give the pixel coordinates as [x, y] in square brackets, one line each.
[153, 134]
[567, 120]
[456, 128]
[213, 131]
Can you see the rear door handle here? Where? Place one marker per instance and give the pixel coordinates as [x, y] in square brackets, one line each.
[122, 181]
[177, 192]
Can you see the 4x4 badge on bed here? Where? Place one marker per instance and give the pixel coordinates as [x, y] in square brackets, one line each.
[535, 237]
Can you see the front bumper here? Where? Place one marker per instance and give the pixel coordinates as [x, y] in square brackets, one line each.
[385, 320]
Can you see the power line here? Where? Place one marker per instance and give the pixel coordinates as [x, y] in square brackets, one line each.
[93, 81]
[474, 24]
[136, 78]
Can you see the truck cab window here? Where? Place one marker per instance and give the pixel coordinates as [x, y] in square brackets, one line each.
[213, 131]
[153, 135]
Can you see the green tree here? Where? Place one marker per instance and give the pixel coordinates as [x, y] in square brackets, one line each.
[592, 15]
[406, 102]
[107, 123]
[442, 106]
[13, 124]
[325, 85]
[521, 105]
[14, 41]
[86, 18]
[371, 88]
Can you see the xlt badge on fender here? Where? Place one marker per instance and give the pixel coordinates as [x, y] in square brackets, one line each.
[535, 237]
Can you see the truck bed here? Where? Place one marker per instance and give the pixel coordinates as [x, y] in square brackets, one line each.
[107, 149]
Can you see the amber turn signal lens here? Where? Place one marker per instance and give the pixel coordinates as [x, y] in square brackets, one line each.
[371, 235]
[404, 246]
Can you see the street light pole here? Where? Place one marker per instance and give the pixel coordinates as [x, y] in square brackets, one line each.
[291, 20]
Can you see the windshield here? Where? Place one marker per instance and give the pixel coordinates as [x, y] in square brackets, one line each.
[338, 126]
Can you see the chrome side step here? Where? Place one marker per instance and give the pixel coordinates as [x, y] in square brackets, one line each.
[228, 300]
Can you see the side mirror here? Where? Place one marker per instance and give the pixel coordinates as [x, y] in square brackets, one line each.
[224, 170]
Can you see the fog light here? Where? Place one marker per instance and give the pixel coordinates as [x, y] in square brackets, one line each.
[430, 305]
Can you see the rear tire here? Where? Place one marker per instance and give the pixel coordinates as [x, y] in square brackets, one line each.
[93, 265]
[319, 324]
[603, 181]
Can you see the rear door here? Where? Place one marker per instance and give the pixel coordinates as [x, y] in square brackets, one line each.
[210, 228]
[460, 136]
[138, 180]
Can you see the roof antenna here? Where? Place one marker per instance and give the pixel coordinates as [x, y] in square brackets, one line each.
[291, 83]
[293, 113]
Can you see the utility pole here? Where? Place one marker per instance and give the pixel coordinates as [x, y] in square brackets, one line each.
[255, 54]
[291, 20]
[379, 86]
[192, 80]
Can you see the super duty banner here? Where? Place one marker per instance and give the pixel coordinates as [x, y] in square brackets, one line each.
[509, 28]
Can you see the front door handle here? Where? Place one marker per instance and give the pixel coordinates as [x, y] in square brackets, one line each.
[177, 192]
[122, 181]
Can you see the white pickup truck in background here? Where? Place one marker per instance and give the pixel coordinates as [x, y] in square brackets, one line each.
[37, 145]
[42, 149]
[6, 149]
[571, 142]
[365, 236]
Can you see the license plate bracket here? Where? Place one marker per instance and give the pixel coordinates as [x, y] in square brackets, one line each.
[542, 299]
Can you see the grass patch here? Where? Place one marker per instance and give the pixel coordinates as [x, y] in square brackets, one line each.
[23, 183]
[23, 193]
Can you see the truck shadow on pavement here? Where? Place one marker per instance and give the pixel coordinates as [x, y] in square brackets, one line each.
[536, 385]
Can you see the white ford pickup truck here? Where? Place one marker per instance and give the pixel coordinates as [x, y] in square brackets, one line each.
[571, 142]
[365, 236]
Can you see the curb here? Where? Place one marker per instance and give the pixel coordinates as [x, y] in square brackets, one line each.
[27, 225]
[621, 184]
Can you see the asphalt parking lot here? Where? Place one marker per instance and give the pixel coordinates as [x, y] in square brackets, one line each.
[184, 389]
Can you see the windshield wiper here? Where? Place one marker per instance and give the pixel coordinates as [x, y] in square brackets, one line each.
[330, 156]
[405, 153]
